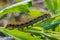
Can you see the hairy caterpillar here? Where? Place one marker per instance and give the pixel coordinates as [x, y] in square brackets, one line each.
[27, 22]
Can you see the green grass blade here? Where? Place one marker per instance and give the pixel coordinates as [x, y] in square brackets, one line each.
[19, 35]
[18, 7]
[49, 5]
[53, 6]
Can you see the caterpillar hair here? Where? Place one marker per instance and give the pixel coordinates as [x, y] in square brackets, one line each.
[28, 22]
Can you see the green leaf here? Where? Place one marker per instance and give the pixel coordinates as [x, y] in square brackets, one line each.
[50, 35]
[19, 35]
[58, 5]
[53, 6]
[49, 5]
[18, 7]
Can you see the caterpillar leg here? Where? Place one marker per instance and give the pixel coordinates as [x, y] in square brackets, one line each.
[7, 26]
[10, 27]
[20, 28]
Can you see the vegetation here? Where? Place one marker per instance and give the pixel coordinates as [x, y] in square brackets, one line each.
[48, 29]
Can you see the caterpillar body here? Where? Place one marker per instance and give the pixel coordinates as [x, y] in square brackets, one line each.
[27, 22]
